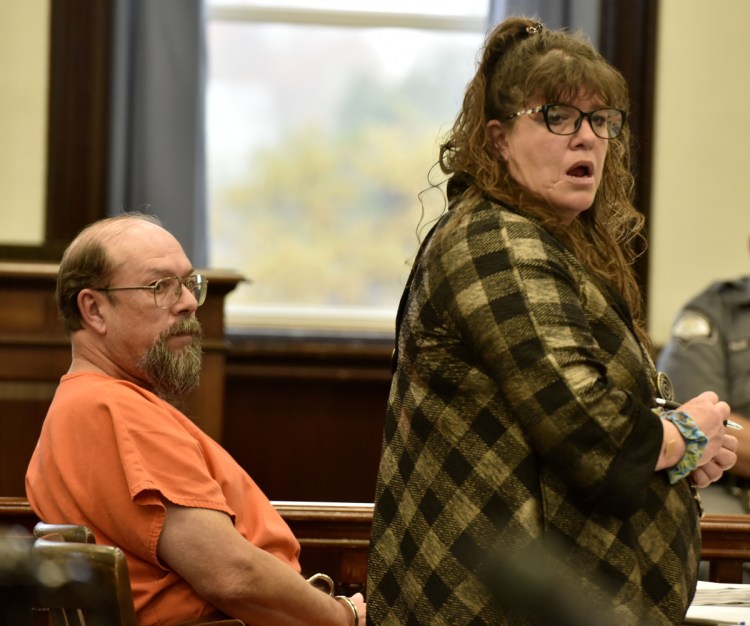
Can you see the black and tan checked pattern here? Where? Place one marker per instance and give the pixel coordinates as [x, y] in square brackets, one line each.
[516, 481]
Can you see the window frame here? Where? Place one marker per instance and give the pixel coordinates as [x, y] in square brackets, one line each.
[328, 17]
[312, 319]
[80, 34]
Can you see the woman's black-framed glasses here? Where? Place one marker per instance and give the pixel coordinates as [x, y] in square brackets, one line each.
[167, 290]
[565, 119]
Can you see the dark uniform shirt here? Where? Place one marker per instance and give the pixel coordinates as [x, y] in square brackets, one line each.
[709, 349]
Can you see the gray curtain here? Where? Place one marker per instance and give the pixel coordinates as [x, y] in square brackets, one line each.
[157, 160]
[572, 14]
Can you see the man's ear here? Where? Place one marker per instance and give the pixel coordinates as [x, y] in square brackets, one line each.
[496, 138]
[91, 314]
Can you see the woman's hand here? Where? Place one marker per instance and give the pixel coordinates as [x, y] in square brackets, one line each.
[713, 469]
[719, 455]
[709, 414]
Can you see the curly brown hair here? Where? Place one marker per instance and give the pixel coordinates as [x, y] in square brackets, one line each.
[523, 61]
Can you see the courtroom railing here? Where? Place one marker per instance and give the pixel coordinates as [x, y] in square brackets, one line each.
[335, 538]
[726, 546]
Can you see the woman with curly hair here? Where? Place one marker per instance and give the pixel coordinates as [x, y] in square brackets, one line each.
[532, 471]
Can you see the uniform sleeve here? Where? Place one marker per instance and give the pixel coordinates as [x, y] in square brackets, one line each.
[531, 322]
[695, 356]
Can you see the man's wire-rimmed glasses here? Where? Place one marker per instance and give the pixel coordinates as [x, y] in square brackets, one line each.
[167, 290]
[565, 119]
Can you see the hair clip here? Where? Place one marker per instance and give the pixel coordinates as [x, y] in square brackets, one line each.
[534, 28]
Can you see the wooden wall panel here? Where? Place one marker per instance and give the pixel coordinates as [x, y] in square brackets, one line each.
[20, 422]
[306, 418]
[628, 40]
[34, 353]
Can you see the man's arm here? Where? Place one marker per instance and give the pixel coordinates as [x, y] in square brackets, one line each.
[243, 581]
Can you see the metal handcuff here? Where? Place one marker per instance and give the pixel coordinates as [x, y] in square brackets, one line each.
[324, 583]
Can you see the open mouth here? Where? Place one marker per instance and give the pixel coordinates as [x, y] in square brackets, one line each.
[581, 170]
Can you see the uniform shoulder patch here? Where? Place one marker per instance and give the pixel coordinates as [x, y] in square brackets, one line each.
[691, 325]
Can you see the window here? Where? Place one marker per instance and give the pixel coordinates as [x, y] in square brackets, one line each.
[323, 125]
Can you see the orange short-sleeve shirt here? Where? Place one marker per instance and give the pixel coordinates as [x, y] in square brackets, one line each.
[109, 452]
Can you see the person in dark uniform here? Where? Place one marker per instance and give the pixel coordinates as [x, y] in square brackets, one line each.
[709, 349]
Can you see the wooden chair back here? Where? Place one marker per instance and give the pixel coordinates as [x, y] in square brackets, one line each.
[70, 533]
[83, 584]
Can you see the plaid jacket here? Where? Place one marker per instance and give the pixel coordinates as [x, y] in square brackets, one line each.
[516, 483]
